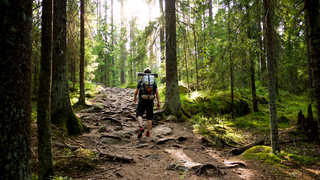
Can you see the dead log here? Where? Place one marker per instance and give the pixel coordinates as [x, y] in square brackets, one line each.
[240, 150]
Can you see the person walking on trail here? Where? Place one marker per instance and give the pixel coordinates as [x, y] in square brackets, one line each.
[148, 91]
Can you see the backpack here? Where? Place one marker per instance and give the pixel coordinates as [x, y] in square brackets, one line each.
[147, 87]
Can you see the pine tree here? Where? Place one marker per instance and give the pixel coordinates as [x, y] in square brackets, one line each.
[15, 88]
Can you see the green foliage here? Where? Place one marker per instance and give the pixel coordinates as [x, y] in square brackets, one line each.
[213, 103]
[214, 130]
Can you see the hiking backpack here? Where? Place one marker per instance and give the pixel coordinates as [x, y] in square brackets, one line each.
[147, 87]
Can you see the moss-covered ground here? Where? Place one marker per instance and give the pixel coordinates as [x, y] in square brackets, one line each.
[211, 118]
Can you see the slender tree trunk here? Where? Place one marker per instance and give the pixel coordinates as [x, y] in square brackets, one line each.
[82, 99]
[231, 62]
[44, 98]
[106, 78]
[313, 7]
[308, 44]
[211, 27]
[122, 48]
[261, 57]
[162, 43]
[252, 65]
[270, 42]
[264, 61]
[185, 56]
[196, 56]
[61, 111]
[172, 101]
[112, 48]
[15, 89]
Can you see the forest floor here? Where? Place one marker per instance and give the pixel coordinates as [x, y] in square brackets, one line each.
[111, 150]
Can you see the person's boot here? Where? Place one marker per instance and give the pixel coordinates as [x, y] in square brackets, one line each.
[141, 130]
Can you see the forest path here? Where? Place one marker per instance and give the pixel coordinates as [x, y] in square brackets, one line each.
[172, 151]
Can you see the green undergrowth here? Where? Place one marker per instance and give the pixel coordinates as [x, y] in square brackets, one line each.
[282, 159]
[216, 131]
[216, 108]
[214, 103]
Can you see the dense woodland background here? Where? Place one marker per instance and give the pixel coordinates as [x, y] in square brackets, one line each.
[245, 63]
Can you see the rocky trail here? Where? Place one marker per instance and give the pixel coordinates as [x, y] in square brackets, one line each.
[172, 151]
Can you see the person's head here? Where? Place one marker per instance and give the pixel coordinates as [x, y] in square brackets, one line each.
[147, 70]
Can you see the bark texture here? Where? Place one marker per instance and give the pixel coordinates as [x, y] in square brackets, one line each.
[172, 101]
[313, 7]
[252, 65]
[270, 42]
[61, 111]
[15, 88]
[82, 99]
[231, 63]
[44, 96]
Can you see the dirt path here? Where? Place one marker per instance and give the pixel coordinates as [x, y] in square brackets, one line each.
[172, 151]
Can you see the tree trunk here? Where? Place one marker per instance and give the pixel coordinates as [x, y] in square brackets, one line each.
[61, 111]
[185, 56]
[210, 26]
[122, 46]
[82, 99]
[106, 76]
[270, 42]
[162, 43]
[252, 65]
[308, 44]
[15, 89]
[313, 7]
[261, 55]
[112, 48]
[231, 62]
[44, 97]
[196, 56]
[172, 101]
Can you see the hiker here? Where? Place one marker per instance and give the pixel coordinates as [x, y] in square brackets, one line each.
[148, 90]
